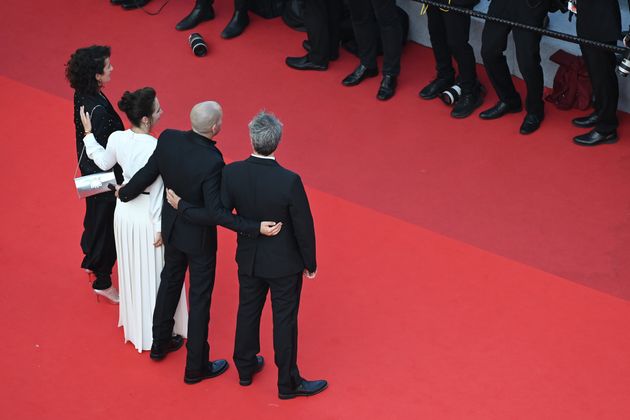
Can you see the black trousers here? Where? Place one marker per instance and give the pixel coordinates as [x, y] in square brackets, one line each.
[97, 241]
[242, 5]
[202, 268]
[494, 42]
[449, 33]
[369, 17]
[322, 19]
[601, 67]
[285, 302]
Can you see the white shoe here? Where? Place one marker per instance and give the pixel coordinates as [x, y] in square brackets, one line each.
[111, 294]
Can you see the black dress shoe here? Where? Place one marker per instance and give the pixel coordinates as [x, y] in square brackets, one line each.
[247, 380]
[358, 75]
[437, 86]
[202, 12]
[588, 121]
[214, 369]
[468, 103]
[304, 63]
[159, 351]
[118, 2]
[305, 389]
[306, 44]
[237, 25]
[499, 110]
[530, 124]
[387, 88]
[133, 4]
[593, 138]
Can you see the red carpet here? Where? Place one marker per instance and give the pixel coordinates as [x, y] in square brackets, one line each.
[436, 239]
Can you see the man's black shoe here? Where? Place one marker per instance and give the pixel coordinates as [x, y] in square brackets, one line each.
[358, 75]
[588, 121]
[214, 369]
[387, 88]
[202, 12]
[306, 44]
[303, 63]
[246, 381]
[305, 389]
[530, 124]
[593, 138]
[437, 86]
[133, 4]
[499, 110]
[467, 104]
[237, 25]
[159, 351]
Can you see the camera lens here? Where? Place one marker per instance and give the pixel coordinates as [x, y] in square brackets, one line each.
[451, 95]
[623, 69]
[197, 44]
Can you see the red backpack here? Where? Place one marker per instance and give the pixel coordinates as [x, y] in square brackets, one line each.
[571, 85]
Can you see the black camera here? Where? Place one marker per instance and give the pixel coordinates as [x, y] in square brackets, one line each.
[623, 69]
[198, 45]
[451, 95]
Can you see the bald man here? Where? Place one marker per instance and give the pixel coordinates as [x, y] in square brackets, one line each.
[191, 164]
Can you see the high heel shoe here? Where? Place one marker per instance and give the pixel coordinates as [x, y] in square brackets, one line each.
[90, 274]
[111, 294]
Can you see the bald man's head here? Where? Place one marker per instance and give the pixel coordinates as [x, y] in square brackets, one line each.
[206, 118]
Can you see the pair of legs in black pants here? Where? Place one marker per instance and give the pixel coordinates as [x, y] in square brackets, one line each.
[202, 268]
[285, 302]
[601, 67]
[527, 43]
[369, 18]
[97, 241]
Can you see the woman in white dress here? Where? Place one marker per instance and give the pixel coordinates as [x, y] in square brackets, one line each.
[137, 224]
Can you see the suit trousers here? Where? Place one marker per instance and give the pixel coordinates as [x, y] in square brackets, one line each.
[369, 17]
[601, 68]
[322, 19]
[494, 43]
[97, 241]
[202, 267]
[241, 5]
[285, 302]
[449, 33]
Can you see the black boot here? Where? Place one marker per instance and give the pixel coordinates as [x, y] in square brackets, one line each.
[240, 20]
[200, 13]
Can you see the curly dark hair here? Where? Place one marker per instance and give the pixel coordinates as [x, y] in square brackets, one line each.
[138, 104]
[84, 65]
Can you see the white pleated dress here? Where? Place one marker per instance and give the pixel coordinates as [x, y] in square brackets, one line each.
[136, 224]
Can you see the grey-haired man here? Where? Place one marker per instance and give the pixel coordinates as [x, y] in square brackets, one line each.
[260, 187]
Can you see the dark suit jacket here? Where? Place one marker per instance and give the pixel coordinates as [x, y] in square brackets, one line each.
[262, 189]
[191, 165]
[599, 20]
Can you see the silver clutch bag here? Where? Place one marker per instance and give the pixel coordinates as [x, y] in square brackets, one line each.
[90, 185]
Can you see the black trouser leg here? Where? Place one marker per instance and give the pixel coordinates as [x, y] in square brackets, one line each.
[169, 292]
[252, 296]
[321, 18]
[241, 5]
[458, 33]
[97, 241]
[493, 45]
[528, 58]
[285, 302]
[365, 29]
[391, 34]
[601, 67]
[202, 272]
[439, 42]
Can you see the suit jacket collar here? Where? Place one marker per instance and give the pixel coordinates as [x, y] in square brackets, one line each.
[260, 161]
[198, 138]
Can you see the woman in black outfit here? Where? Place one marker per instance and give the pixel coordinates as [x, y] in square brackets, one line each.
[88, 70]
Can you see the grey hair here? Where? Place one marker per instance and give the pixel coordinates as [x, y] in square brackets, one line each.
[265, 131]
